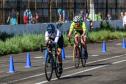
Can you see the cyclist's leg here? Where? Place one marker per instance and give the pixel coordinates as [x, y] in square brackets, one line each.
[84, 44]
[59, 50]
[83, 41]
[76, 39]
[59, 55]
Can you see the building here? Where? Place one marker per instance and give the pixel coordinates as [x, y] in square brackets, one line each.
[47, 9]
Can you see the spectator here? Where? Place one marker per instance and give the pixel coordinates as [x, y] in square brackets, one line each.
[61, 14]
[33, 20]
[98, 16]
[91, 25]
[121, 16]
[36, 17]
[27, 16]
[87, 17]
[108, 17]
[124, 20]
[12, 18]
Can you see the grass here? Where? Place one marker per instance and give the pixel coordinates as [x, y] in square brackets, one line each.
[32, 42]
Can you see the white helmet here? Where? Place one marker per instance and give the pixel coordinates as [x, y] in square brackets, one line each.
[77, 19]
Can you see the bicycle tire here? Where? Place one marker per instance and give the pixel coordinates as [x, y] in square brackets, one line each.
[57, 69]
[83, 58]
[49, 61]
[76, 57]
[83, 62]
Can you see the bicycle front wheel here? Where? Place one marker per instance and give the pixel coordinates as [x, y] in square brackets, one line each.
[76, 57]
[49, 67]
[83, 61]
[57, 69]
[83, 57]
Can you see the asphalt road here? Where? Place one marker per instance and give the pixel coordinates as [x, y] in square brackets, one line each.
[101, 68]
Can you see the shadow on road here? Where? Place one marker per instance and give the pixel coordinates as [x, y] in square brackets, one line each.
[77, 76]
[100, 64]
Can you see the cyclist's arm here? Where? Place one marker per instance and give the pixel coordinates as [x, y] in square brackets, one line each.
[46, 36]
[84, 28]
[71, 29]
[57, 36]
[84, 31]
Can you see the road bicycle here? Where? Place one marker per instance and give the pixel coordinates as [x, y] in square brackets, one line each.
[51, 61]
[79, 54]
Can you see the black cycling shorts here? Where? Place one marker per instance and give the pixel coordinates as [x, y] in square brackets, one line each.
[61, 42]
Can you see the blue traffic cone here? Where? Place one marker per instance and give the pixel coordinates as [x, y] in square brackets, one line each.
[28, 61]
[123, 43]
[11, 65]
[104, 47]
[63, 54]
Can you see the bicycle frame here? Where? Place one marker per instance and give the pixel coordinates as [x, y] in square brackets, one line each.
[78, 53]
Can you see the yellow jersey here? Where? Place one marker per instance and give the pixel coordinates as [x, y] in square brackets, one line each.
[81, 27]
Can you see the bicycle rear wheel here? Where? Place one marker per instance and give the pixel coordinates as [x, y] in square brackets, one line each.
[49, 66]
[76, 57]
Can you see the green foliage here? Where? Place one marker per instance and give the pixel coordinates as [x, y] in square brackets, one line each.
[105, 35]
[33, 42]
[19, 44]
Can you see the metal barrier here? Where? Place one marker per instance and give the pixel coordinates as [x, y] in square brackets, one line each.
[41, 27]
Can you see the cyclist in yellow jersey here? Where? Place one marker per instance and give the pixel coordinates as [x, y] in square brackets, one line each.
[79, 28]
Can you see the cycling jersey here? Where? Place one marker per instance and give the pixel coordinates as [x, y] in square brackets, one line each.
[81, 27]
[57, 38]
[55, 35]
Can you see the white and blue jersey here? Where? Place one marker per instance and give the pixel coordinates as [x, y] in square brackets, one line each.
[56, 35]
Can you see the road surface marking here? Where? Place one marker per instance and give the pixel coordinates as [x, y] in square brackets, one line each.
[90, 69]
[101, 60]
[119, 44]
[118, 62]
[29, 77]
[41, 57]
[94, 55]
[70, 67]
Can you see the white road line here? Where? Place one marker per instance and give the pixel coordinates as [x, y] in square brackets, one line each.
[73, 74]
[100, 60]
[41, 57]
[72, 67]
[28, 77]
[95, 55]
[118, 62]
[119, 44]
[90, 69]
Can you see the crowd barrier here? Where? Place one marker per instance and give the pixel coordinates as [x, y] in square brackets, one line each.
[41, 27]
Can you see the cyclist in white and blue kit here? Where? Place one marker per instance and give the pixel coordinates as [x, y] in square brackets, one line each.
[57, 38]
